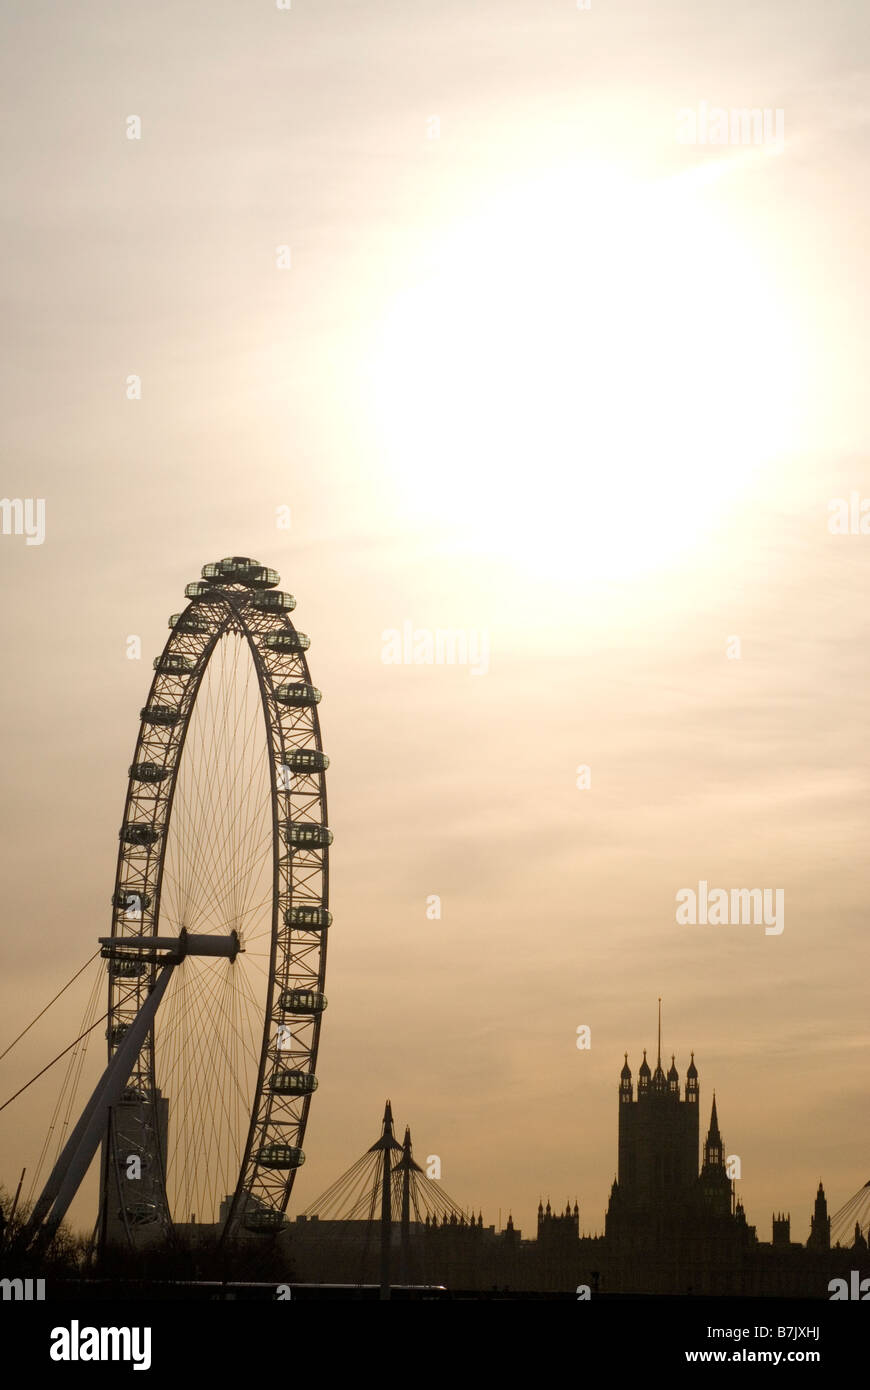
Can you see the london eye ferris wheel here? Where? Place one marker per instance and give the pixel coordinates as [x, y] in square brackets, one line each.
[224, 836]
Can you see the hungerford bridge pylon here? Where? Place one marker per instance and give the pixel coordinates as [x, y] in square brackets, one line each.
[377, 1191]
[217, 953]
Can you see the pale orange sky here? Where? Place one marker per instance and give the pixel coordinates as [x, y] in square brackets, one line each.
[552, 375]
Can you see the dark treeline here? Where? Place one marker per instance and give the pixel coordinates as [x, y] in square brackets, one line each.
[71, 1256]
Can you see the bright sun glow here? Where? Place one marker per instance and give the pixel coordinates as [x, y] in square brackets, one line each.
[592, 370]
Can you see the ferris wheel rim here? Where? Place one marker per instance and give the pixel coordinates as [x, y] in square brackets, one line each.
[213, 612]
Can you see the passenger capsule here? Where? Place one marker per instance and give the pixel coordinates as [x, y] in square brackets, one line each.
[164, 716]
[263, 578]
[273, 601]
[264, 1221]
[307, 835]
[127, 969]
[287, 642]
[186, 622]
[238, 569]
[297, 695]
[305, 760]
[280, 1156]
[148, 772]
[308, 918]
[117, 1033]
[173, 664]
[200, 590]
[136, 834]
[130, 901]
[231, 568]
[302, 1001]
[293, 1083]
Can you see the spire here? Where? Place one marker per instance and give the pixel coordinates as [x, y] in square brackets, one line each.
[658, 1081]
[673, 1080]
[626, 1090]
[643, 1078]
[717, 1189]
[713, 1157]
[692, 1082]
[820, 1222]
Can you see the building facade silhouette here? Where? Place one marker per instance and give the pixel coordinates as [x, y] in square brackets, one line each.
[673, 1225]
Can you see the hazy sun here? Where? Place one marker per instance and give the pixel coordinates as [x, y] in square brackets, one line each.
[591, 371]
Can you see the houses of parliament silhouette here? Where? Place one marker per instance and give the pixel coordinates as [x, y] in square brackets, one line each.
[672, 1226]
